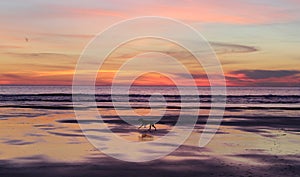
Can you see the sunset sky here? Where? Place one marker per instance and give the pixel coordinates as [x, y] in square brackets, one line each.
[257, 41]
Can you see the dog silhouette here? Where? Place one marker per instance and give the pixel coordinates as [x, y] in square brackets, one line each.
[145, 123]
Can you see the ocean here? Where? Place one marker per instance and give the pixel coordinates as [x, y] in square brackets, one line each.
[281, 99]
[255, 102]
[259, 132]
[236, 96]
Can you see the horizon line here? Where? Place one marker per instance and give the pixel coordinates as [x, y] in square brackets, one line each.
[135, 85]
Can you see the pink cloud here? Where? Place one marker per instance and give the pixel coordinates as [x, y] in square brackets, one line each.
[95, 12]
[232, 11]
[213, 11]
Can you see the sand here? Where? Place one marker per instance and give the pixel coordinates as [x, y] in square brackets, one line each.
[50, 143]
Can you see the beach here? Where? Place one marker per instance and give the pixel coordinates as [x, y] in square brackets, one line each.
[150, 88]
[258, 136]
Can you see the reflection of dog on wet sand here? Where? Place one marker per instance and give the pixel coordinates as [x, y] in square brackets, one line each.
[147, 122]
[145, 136]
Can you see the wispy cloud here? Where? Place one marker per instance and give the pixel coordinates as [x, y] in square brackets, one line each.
[41, 55]
[11, 76]
[227, 48]
[55, 59]
[61, 35]
[10, 47]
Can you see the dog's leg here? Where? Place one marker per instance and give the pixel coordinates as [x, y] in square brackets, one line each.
[140, 126]
[149, 127]
[154, 126]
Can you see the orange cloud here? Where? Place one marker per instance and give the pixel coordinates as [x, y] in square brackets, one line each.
[153, 79]
[37, 78]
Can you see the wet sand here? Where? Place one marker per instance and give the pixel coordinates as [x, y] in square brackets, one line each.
[45, 142]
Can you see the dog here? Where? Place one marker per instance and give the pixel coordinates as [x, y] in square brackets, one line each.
[145, 123]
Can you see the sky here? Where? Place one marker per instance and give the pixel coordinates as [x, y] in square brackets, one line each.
[256, 41]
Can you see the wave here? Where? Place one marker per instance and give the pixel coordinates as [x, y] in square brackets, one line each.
[145, 98]
[229, 108]
[146, 95]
